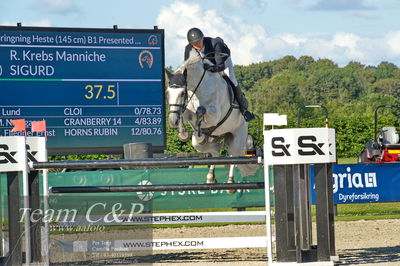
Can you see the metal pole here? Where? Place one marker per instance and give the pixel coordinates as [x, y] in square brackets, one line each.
[46, 227]
[172, 187]
[151, 162]
[268, 213]
[35, 222]
[322, 212]
[14, 229]
[312, 106]
[27, 212]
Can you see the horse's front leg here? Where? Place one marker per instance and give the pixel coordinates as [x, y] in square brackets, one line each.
[200, 112]
[211, 175]
[200, 137]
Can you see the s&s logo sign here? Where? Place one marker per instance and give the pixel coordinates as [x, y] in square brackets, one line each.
[310, 145]
[7, 156]
[279, 148]
[300, 146]
[12, 154]
[17, 151]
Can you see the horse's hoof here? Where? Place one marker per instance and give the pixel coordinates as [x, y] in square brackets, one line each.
[184, 136]
[200, 140]
[231, 181]
[211, 181]
[231, 191]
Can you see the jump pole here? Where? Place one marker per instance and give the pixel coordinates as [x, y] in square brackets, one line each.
[147, 162]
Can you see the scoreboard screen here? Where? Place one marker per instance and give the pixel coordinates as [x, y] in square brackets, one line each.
[97, 89]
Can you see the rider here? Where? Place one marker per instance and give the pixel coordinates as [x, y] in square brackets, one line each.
[219, 54]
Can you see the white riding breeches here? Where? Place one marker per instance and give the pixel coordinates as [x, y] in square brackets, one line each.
[231, 73]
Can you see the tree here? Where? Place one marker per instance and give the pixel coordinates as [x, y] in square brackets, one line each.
[385, 70]
[388, 86]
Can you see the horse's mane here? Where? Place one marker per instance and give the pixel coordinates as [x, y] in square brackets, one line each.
[194, 58]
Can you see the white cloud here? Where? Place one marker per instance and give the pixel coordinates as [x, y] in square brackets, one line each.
[55, 6]
[393, 41]
[250, 43]
[243, 39]
[349, 43]
[292, 39]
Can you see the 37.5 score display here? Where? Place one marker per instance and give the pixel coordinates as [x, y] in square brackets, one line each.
[98, 91]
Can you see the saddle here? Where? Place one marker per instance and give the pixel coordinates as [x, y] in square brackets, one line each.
[231, 91]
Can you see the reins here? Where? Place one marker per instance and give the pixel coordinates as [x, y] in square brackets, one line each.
[194, 91]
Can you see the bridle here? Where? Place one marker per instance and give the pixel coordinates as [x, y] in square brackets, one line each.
[182, 107]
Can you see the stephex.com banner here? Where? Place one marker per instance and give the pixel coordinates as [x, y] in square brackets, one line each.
[364, 183]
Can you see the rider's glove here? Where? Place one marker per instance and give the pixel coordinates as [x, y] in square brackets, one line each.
[211, 68]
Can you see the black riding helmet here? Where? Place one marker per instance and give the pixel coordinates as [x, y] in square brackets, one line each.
[194, 35]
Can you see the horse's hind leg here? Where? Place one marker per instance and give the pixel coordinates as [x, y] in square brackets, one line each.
[213, 149]
[236, 147]
[231, 178]
[211, 175]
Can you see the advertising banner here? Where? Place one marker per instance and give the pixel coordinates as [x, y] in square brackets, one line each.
[364, 183]
[155, 201]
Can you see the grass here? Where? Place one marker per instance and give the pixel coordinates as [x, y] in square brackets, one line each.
[358, 209]
[347, 160]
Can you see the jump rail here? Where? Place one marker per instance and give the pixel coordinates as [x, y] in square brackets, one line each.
[149, 162]
[147, 188]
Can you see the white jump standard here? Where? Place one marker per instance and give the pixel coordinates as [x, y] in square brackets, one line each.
[290, 152]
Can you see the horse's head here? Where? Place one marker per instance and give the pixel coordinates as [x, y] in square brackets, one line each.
[177, 97]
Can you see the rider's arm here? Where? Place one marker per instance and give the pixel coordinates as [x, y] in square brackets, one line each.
[220, 56]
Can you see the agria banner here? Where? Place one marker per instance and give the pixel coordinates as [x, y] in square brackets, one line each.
[363, 183]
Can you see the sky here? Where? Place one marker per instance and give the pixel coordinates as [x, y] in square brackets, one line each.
[365, 31]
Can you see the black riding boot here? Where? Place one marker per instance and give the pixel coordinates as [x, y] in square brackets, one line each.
[243, 104]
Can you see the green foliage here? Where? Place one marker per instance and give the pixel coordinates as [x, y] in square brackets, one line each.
[80, 157]
[350, 93]
[174, 145]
